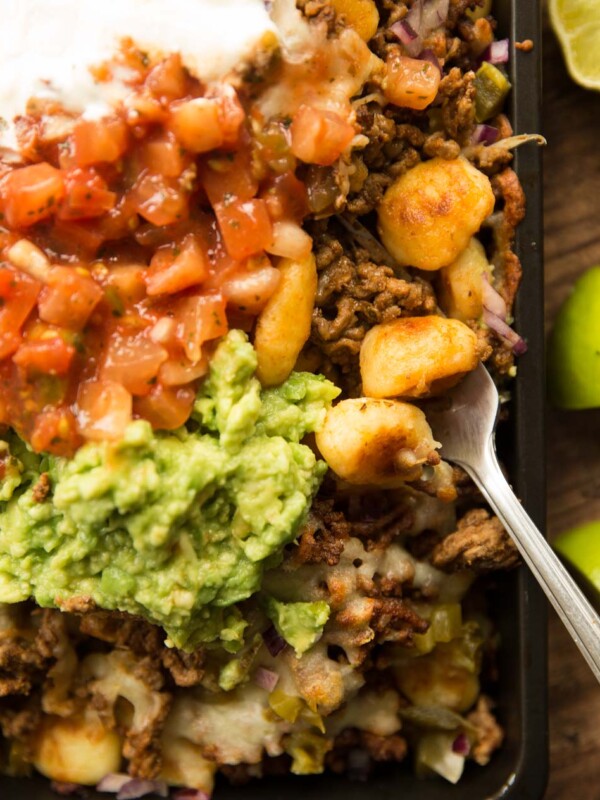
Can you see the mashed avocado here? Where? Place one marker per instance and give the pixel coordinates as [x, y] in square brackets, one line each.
[175, 527]
[300, 624]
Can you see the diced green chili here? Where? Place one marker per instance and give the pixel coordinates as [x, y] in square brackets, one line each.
[491, 86]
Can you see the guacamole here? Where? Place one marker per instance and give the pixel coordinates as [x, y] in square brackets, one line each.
[175, 526]
[300, 624]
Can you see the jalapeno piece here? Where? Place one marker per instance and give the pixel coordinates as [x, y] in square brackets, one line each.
[491, 86]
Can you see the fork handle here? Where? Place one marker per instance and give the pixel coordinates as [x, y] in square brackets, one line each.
[571, 605]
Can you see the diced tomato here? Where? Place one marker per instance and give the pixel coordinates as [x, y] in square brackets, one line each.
[245, 226]
[49, 356]
[231, 115]
[179, 371]
[80, 239]
[31, 194]
[125, 286]
[249, 290]
[159, 200]
[120, 221]
[69, 297]
[142, 108]
[18, 296]
[98, 140]
[319, 137]
[164, 408]
[104, 410]
[200, 318]
[55, 431]
[286, 198]
[197, 124]
[87, 195]
[167, 80]
[133, 361]
[229, 176]
[411, 82]
[163, 155]
[172, 270]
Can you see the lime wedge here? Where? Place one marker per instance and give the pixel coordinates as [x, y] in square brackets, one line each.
[574, 347]
[577, 25]
[581, 547]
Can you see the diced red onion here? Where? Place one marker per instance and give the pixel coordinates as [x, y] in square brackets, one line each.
[435, 14]
[274, 642]
[113, 782]
[191, 794]
[518, 344]
[65, 789]
[423, 18]
[484, 134]
[404, 31]
[492, 300]
[429, 55]
[138, 787]
[461, 745]
[497, 52]
[266, 679]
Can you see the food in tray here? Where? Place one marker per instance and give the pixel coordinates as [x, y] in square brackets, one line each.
[237, 257]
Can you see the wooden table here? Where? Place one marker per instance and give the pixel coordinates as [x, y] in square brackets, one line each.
[572, 243]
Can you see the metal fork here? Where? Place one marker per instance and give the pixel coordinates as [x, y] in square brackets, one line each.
[464, 422]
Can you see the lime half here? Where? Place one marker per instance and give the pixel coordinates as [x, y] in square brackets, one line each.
[581, 547]
[577, 25]
[574, 347]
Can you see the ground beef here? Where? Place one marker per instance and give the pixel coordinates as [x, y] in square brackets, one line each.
[323, 536]
[511, 201]
[489, 734]
[457, 93]
[480, 543]
[21, 663]
[140, 637]
[42, 488]
[394, 620]
[353, 294]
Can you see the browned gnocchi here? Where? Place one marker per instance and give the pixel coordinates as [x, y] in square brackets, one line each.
[284, 325]
[428, 215]
[377, 442]
[416, 356]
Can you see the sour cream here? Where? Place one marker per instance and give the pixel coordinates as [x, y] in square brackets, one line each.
[47, 46]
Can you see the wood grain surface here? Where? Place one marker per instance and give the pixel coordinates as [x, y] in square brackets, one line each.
[572, 243]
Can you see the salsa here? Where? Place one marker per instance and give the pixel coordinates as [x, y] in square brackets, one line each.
[131, 242]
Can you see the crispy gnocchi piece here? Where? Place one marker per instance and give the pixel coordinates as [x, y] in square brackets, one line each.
[428, 215]
[361, 15]
[76, 749]
[377, 442]
[460, 291]
[416, 356]
[284, 324]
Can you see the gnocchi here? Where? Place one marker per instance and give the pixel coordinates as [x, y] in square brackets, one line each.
[428, 215]
[76, 749]
[377, 442]
[416, 356]
[361, 15]
[461, 283]
[284, 325]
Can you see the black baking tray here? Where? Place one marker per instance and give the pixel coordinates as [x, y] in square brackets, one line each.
[519, 770]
